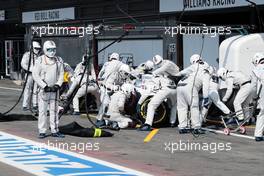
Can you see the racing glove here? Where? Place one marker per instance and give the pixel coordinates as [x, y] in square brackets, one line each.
[47, 89]
[55, 88]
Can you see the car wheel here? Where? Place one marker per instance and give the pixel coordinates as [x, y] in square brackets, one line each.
[161, 113]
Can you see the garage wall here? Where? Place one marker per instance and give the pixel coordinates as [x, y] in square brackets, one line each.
[141, 50]
[192, 44]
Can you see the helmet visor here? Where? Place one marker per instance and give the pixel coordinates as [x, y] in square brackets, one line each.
[51, 49]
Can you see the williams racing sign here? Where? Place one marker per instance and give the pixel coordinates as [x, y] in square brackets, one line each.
[190, 5]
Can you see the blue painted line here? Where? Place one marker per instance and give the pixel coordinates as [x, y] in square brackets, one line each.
[23, 154]
[6, 140]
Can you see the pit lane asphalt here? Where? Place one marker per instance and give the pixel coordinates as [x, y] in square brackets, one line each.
[127, 148]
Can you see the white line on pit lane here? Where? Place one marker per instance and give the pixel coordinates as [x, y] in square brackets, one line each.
[68, 157]
[8, 88]
[231, 134]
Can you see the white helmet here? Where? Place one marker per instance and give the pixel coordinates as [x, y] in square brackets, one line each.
[125, 68]
[157, 59]
[128, 88]
[36, 47]
[195, 58]
[114, 56]
[124, 71]
[49, 48]
[222, 73]
[257, 57]
[149, 65]
[84, 59]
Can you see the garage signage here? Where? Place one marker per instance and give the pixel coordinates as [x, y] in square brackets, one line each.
[189, 5]
[48, 15]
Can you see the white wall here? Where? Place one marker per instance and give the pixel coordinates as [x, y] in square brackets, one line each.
[192, 44]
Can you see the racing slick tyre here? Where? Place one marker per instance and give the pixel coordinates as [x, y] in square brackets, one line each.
[91, 103]
[161, 113]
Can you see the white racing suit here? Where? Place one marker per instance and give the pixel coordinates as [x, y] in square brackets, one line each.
[80, 69]
[92, 86]
[166, 68]
[68, 78]
[166, 90]
[31, 86]
[258, 77]
[243, 95]
[192, 69]
[102, 74]
[116, 109]
[48, 72]
[141, 70]
[108, 77]
[70, 71]
[214, 97]
[195, 77]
